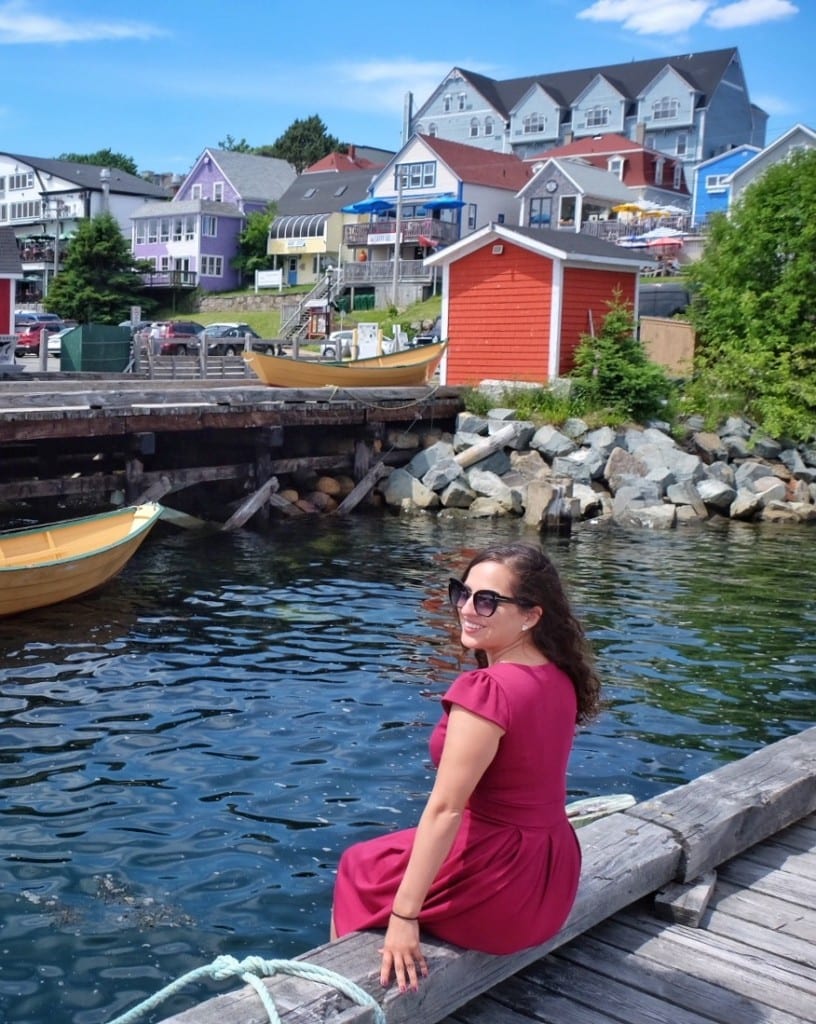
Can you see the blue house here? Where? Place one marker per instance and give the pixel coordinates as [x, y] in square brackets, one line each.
[711, 187]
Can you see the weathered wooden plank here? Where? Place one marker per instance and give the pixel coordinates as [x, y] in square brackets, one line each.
[725, 811]
[773, 855]
[249, 507]
[359, 492]
[685, 902]
[783, 884]
[769, 911]
[757, 935]
[480, 451]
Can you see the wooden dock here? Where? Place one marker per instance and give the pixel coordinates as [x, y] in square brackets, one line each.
[695, 907]
[87, 438]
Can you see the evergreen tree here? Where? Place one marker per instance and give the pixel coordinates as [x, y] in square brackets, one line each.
[100, 280]
[754, 305]
[303, 143]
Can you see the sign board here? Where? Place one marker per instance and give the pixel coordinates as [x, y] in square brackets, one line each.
[269, 279]
[369, 341]
[135, 315]
[383, 239]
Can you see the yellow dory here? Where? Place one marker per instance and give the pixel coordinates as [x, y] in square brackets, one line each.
[47, 564]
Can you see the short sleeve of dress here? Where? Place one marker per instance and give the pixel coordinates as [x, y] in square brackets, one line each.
[481, 692]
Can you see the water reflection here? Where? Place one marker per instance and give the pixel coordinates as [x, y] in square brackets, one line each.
[184, 754]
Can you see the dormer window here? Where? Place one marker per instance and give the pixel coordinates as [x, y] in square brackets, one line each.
[598, 116]
[218, 191]
[447, 103]
[432, 129]
[533, 124]
[615, 166]
[488, 126]
[665, 109]
[461, 100]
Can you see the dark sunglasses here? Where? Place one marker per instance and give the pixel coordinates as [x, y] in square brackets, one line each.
[484, 601]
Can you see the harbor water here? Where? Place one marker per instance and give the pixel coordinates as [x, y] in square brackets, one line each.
[184, 755]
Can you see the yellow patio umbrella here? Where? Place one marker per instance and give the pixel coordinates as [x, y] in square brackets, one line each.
[628, 208]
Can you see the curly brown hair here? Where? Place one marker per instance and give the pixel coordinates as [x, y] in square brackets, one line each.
[558, 634]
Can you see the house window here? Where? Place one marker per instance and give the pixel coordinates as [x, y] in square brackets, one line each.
[447, 103]
[615, 166]
[164, 264]
[419, 175]
[598, 117]
[340, 190]
[309, 193]
[24, 180]
[212, 266]
[209, 226]
[471, 216]
[141, 232]
[152, 230]
[677, 179]
[665, 109]
[25, 211]
[432, 130]
[164, 229]
[189, 228]
[488, 129]
[716, 182]
[474, 127]
[195, 192]
[3, 211]
[500, 218]
[218, 191]
[178, 228]
[461, 101]
[540, 212]
[659, 165]
[681, 145]
[533, 124]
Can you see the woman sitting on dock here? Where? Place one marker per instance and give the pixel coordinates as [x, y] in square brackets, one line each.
[494, 863]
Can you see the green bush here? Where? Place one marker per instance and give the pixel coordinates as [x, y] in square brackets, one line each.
[613, 377]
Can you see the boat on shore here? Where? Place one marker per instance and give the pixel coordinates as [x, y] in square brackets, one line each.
[411, 367]
[44, 565]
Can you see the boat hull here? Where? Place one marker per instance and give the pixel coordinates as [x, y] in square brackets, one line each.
[49, 564]
[409, 368]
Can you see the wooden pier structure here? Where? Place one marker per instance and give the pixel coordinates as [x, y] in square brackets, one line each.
[86, 438]
[695, 907]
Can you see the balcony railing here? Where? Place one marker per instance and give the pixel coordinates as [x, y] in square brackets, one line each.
[441, 232]
[382, 272]
[170, 279]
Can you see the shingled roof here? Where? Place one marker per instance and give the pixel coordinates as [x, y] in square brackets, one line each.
[703, 71]
[476, 166]
[10, 265]
[88, 176]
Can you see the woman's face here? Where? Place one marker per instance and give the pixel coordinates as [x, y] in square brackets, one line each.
[503, 632]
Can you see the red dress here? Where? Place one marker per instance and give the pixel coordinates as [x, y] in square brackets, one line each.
[511, 876]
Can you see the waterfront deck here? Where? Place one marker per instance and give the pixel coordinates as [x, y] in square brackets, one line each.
[695, 907]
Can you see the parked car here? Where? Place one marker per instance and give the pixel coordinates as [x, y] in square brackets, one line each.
[54, 343]
[28, 342]
[227, 339]
[175, 337]
[431, 336]
[337, 344]
[28, 321]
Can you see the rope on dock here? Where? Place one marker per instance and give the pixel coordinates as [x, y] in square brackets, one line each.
[251, 970]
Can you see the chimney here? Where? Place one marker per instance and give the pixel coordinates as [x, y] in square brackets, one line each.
[640, 133]
[352, 152]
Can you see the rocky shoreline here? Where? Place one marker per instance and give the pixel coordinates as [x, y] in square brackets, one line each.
[496, 465]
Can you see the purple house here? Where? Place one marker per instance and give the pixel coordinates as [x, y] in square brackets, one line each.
[192, 240]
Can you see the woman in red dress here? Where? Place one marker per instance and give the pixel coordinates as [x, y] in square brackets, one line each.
[493, 864]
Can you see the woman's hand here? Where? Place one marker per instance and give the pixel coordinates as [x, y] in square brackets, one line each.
[401, 953]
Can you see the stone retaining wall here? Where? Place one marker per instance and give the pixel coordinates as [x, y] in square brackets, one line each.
[496, 465]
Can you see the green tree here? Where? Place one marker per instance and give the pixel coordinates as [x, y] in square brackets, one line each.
[754, 308]
[235, 145]
[613, 375]
[100, 280]
[103, 158]
[303, 143]
[252, 242]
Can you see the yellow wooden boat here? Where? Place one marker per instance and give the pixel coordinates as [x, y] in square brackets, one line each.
[411, 367]
[47, 564]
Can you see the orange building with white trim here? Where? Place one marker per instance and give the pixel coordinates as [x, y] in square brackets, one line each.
[516, 301]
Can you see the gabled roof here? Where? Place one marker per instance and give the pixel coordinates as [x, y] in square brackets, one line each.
[475, 166]
[10, 265]
[758, 159]
[563, 245]
[602, 145]
[260, 179]
[703, 71]
[181, 207]
[341, 163]
[87, 176]
[323, 192]
[590, 181]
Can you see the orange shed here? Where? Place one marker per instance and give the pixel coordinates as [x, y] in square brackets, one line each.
[517, 300]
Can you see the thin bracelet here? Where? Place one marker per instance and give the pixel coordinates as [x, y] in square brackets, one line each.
[402, 917]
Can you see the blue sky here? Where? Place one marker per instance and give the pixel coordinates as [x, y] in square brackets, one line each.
[160, 82]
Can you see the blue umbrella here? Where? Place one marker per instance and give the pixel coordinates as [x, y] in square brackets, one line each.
[373, 204]
[444, 203]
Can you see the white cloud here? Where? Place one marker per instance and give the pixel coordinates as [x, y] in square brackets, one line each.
[743, 13]
[648, 17]
[19, 24]
[668, 17]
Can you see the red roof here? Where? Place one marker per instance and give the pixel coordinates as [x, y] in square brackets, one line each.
[343, 162]
[476, 166]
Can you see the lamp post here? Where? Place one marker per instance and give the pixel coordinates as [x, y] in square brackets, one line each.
[327, 318]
